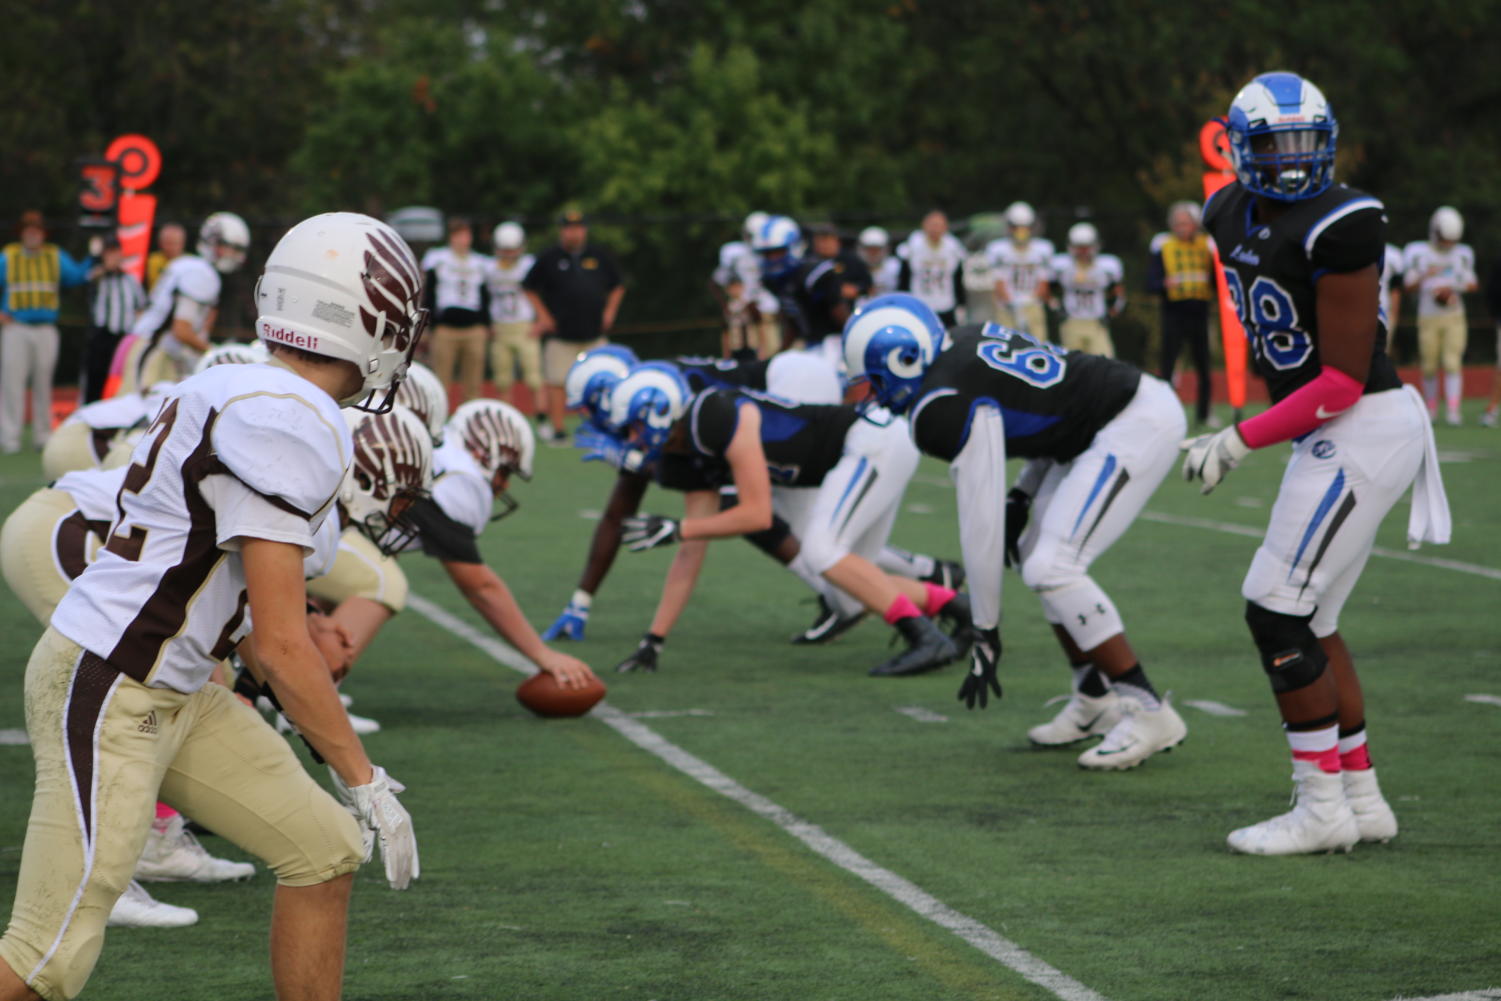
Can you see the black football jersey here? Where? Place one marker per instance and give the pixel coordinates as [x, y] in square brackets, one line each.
[802, 442]
[1272, 269]
[817, 288]
[1052, 401]
[722, 373]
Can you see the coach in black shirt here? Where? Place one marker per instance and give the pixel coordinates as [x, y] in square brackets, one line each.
[575, 288]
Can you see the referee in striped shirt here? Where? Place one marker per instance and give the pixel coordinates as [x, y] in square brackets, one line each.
[116, 299]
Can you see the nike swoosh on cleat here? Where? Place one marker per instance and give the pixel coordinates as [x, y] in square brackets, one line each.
[1085, 727]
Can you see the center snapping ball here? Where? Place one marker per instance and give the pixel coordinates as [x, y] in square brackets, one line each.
[542, 694]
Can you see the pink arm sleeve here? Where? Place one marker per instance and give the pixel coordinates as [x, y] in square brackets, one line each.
[1329, 394]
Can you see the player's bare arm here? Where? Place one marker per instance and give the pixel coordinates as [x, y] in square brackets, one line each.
[1347, 308]
[687, 563]
[625, 500]
[490, 596]
[752, 484]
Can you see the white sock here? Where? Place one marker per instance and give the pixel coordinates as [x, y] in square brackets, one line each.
[904, 564]
[1453, 386]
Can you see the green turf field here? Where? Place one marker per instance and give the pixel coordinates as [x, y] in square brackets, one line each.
[562, 861]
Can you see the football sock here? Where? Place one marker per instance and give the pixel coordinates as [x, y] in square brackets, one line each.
[1089, 681]
[937, 598]
[901, 608]
[1453, 386]
[164, 812]
[1430, 389]
[1354, 756]
[904, 564]
[1134, 683]
[1319, 746]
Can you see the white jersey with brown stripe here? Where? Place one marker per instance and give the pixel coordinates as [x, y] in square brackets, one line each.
[238, 451]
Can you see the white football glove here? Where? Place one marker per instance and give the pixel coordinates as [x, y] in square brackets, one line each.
[1211, 456]
[380, 814]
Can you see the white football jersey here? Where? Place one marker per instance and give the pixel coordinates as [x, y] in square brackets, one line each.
[1020, 266]
[725, 271]
[95, 491]
[188, 289]
[933, 268]
[1086, 289]
[457, 280]
[460, 487]
[1432, 269]
[508, 303]
[236, 452]
[122, 411]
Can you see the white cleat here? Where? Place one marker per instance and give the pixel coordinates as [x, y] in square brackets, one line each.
[363, 725]
[1083, 716]
[1320, 820]
[1140, 734]
[1373, 817]
[136, 908]
[174, 855]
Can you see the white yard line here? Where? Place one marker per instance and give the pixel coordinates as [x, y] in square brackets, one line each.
[1484, 994]
[16, 738]
[924, 904]
[1250, 532]
[1214, 708]
[922, 715]
[1483, 699]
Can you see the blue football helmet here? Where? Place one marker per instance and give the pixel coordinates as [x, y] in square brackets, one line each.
[645, 404]
[589, 380]
[891, 342]
[779, 245]
[1282, 133]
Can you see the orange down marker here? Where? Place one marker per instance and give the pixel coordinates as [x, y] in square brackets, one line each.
[1218, 173]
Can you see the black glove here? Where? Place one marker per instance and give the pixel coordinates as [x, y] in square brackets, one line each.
[981, 679]
[648, 531]
[1018, 509]
[645, 657]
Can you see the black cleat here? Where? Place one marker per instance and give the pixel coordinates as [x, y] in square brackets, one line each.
[828, 626]
[946, 573]
[927, 649]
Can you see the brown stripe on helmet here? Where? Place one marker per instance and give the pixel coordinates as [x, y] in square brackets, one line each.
[401, 259]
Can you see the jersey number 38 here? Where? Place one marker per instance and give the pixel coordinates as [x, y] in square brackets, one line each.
[1021, 355]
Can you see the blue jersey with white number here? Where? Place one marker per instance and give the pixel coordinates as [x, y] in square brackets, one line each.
[1272, 271]
[1052, 401]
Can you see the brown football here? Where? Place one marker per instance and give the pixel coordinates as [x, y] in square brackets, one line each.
[542, 694]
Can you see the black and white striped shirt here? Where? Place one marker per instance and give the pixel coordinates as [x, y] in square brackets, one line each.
[118, 297]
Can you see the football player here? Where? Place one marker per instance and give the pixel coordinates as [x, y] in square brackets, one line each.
[749, 310]
[874, 247]
[932, 267]
[1441, 270]
[168, 338]
[1302, 260]
[225, 496]
[511, 316]
[1091, 288]
[1020, 261]
[835, 479]
[1098, 434]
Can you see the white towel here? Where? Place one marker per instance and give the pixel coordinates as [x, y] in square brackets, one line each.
[1429, 519]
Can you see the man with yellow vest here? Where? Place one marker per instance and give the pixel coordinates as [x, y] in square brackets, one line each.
[1183, 274]
[33, 274]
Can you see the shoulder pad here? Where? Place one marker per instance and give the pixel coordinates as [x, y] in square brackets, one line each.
[285, 446]
[197, 279]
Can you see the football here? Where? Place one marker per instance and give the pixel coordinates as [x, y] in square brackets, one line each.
[542, 694]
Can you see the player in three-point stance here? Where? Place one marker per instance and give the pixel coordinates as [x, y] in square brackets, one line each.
[1099, 435]
[1303, 263]
[225, 496]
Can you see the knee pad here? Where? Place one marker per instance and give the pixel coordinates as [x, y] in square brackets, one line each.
[1084, 610]
[1290, 653]
[770, 540]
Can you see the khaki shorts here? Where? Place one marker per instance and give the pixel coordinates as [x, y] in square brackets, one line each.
[1441, 341]
[44, 545]
[120, 745]
[72, 447]
[1028, 316]
[361, 571]
[513, 347]
[458, 355]
[1089, 336]
[558, 357]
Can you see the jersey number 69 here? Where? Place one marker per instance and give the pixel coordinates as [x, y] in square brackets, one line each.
[1021, 355]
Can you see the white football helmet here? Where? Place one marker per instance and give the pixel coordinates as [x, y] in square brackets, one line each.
[232, 353]
[1446, 224]
[1282, 137]
[500, 439]
[223, 241]
[391, 469]
[1083, 234]
[874, 236]
[423, 394]
[1020, 215]
[346, 286]
[753, 224]
[509, 236]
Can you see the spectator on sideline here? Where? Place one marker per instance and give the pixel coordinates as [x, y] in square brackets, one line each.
[1182, 273]
[932, 267]
[459, 302]
[512, 314]
[1093, 291]
[1441, 270]
[117, 298]
[33, 274]
[575, 288]
[171, 241]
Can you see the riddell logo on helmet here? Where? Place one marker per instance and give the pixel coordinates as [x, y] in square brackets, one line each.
[283, 335]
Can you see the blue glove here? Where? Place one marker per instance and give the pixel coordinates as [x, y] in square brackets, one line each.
[603, 447]
[570, 625]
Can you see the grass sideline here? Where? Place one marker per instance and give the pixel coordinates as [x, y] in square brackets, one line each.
[560, 862]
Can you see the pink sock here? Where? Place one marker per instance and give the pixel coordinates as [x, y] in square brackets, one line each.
[901, 608]
[1319, 746]
[1354, 755]
[164, 812]
[937, 598]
